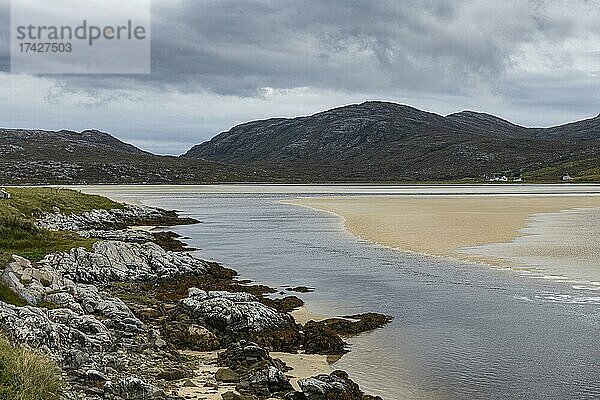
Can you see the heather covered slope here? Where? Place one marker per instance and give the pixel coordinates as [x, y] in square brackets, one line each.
[379, 141]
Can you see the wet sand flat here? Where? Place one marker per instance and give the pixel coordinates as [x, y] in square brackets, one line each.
[441, 226]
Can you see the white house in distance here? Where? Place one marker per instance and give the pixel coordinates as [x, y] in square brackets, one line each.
[4, 194]
[503, 178]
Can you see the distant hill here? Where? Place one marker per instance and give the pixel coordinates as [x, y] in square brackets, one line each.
[380, 141]
[368, 142]
[66, 157]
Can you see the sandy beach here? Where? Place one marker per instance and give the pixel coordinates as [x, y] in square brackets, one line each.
[204, 386]
[442, 226]
[302, 315]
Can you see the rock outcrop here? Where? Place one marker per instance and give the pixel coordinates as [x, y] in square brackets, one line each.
[258, 374]
[108, 351]
[336, 385]
[118, 218]
[240, 316]
[122, 235]
[94, 336]
[133, 388]
[233, 312]
[325, 337]
[44, 286]
[121, 262]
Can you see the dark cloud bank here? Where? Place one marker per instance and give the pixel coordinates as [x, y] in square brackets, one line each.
[535, 62]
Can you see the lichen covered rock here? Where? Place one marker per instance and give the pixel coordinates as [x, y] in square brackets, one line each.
[115, 261]
[336, 385]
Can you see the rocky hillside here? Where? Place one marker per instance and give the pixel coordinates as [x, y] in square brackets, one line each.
[34, 156]
[390, 142]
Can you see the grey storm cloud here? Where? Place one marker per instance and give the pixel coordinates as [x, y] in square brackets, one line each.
[236, 47]
[4, 35]
[536, 62]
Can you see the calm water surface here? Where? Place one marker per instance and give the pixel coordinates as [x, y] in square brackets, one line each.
[460, 331]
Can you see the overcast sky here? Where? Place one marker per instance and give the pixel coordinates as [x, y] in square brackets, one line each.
[216, 63]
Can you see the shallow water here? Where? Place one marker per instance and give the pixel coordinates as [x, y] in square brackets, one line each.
[460, 331]
[565, 245]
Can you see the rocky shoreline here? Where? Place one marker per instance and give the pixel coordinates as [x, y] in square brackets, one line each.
[124, 320]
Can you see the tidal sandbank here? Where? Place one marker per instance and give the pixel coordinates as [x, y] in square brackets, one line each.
[443, 226]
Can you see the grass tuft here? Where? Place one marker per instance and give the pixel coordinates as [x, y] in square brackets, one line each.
[7, 295]
[20, 236]
[27, 375]
[14, 222]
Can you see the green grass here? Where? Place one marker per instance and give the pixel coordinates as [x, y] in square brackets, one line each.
[30, 202]
[18, 234]
[27, 375]
[587, 170]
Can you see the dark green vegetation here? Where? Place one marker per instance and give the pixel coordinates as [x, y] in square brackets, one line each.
[44, 157]
[18, 234]
[140, 295]
[27, 375]
[387, 142]
[585, 170]
[16, 237]
[7, 295]
[169, 241]
[326, 336]
[30, 202]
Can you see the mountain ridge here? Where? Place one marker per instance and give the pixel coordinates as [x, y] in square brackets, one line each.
[384, 141]
[34, 156]
[366, 142]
